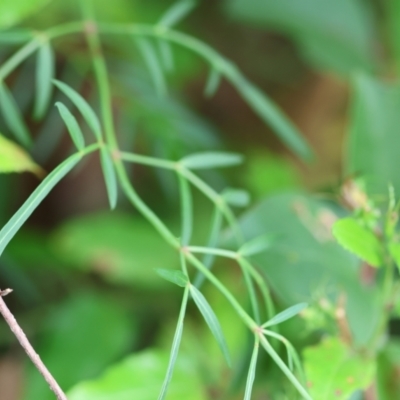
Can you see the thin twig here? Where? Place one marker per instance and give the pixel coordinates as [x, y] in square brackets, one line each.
[23, 340]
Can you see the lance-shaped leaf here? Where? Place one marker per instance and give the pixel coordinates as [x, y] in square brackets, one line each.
[213, 81]
[285, 315]
[83, 107]
[153, 64]
[44, 76]
[109, 176]
[211, 160]
[252, 372]
[72, 126]
[166, 55]
[360, 240]
[256, 245]
[15, 36]
[211, 320]
[12, 116]
[175, 276]
[18, 219]
[177, 12]
[236, 197]
[14, 159]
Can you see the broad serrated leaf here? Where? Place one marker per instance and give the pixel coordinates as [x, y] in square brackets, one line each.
[211, 159]
[109, 176]
[236, 197]
[12, 117]
[285, 315]
[359, 240]
[72, 125]
[17, 220]
[334, 371]
[176, 13]
[153, 64]
[212, 321]
[44, 76]
[175, 276]
[14, 159]
[83, 107]
[213, 81]
[256, 245]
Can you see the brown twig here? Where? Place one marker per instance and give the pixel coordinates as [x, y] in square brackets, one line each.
[23, 340]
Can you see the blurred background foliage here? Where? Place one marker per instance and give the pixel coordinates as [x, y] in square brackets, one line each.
[84, 284]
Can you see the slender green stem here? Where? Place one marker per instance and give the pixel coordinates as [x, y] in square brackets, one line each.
[216, 252]
[252, 294]
[146, 160]
[270, 350]
[186, 211]
[252, 369]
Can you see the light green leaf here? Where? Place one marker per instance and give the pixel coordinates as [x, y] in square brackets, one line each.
[72, 125]
[174, 276]
[139, 377]
[334, 371]
[14, 11]
[14, 36]
[12, 116]
[14, 159]
[359, 240]
[256, 245]
[12, 226]
[213, 81]
[44, 76]
[73, 357]
[83, 107]
[252, 372]
[236, 197]
[285, 315]
[177, 12]
[109, 176]
[269, 112]
[166, 54]
[211, 159]
[212, 321]
[153, 64]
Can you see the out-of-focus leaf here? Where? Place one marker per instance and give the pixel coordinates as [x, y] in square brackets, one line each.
[83, 107]
[139, 377]
[177, 12]
[13, 36]
[82, 337]
[394, 249]
[14, 159]
[210, 159]
[12, 116]
[153, 64]
[213, 80]
[285, 315]
[388, 385]
[17, 220]
[174, 276]
[121, 248]
[335, 371]
[44, 76]
[72, 125]
[306, 252]
[166, 54]
[336, 35]
[236, 197]
[13, 11]
[359, 240]
[374, 140]
[212, 321]
[109, 176]
[256, 245]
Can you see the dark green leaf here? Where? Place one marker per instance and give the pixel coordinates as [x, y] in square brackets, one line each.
[211, 160]
[358, 239]
[212, 321]
[44, 77]
[153, 64]
[109, 176]
[83, 107]
[177, 12]
[72, 125]
[12, 116]
[286, 314]
[18, 219]
[213, 81]
[174, 276]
